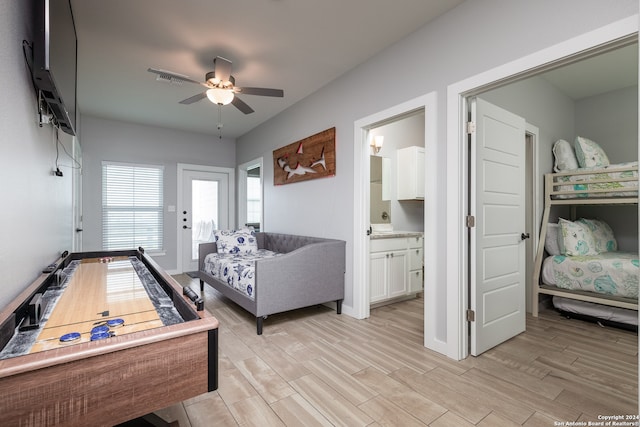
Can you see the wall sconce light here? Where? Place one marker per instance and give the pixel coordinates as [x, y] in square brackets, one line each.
[376, 143]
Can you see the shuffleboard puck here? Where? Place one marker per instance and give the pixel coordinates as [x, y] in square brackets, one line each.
[114, 323]
[100, 336]
[100, 329]
[70, 337]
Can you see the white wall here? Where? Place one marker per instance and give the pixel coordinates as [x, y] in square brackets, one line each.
[111, 140]
[473, 38]
[36, 215]
[611, 119]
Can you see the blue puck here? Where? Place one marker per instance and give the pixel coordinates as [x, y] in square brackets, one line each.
[100, 336]
[113, 323]
[99, 329]
[72, 336]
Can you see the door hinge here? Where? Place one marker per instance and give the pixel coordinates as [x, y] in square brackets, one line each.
[471, 316]
[471, 127]
[471, 221]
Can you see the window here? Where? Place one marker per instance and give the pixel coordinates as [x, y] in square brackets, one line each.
[132, 206]
[254, 203]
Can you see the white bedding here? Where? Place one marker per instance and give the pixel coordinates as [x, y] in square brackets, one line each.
[605, 312]
[237, 270]
[610, 273]
[576, 182]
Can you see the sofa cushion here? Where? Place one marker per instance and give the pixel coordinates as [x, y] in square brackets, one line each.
[236, 241]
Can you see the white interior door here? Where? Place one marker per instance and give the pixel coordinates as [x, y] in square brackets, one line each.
[205, 200]
[497, 248]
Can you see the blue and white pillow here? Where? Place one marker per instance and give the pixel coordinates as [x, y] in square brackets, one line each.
[236, 241]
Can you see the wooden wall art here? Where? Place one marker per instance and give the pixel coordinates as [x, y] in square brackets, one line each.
[309, 158]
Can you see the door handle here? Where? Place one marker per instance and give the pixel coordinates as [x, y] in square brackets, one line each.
[185, 227]
[524, 236]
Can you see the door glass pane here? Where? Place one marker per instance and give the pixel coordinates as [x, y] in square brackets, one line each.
[204, 208]
[254, 198]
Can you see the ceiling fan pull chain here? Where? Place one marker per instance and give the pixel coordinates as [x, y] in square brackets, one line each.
[219, 121]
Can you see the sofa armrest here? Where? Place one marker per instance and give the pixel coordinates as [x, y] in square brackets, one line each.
[205, 249]
[312, 274]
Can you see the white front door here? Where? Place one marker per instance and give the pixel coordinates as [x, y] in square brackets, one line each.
[204, 208]
[497, 291]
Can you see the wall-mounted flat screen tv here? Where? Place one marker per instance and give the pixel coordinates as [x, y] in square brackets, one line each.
[55, 59]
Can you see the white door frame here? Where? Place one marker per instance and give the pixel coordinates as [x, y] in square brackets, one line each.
[182, 167]
[242, 190]
[456, 175]
[361, 220]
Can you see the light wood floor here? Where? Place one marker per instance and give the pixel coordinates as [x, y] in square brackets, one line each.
[314, 367]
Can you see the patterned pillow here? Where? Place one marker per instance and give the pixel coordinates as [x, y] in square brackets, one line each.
[236, 241]
[589, 153]
[565, 158]
[602, 234]
[577, 239]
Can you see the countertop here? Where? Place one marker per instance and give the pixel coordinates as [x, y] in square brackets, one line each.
[395, 234]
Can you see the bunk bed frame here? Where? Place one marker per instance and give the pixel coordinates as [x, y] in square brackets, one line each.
[555, 194]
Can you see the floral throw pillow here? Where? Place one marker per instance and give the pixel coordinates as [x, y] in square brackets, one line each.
[236, 241]
[602, 233]
[589, 153]
[577, 239]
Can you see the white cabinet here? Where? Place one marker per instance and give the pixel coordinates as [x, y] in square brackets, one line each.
[392, 264]
[416, 263]
[410, 167]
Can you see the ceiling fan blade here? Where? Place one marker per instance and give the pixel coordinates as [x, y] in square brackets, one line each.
[241, 105]
[261, 91]
[170, 77]
[194, 98]
[222, 68]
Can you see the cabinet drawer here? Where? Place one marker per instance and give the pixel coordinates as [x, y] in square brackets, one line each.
[384, 245]
[415, 258]
[415, 242]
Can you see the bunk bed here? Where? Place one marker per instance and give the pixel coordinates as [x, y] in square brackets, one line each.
[609, 185]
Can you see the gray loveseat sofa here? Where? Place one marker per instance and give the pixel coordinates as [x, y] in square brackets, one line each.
[310, 271]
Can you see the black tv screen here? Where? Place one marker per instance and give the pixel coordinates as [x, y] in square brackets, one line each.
[54, 61]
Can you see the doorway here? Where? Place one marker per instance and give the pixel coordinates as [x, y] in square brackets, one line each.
[361, 250]
[250, 195]
[591, 44]
[204, 195]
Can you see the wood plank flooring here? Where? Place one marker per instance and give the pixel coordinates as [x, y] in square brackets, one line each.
[312, 367]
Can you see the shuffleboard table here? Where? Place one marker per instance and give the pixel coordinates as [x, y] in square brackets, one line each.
[100, 338]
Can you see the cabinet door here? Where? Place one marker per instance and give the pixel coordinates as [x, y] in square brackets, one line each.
[398, 269]
[415, 281]
[378, 276]
[419, 174]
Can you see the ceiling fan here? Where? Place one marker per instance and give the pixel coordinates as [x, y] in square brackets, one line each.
[220, 84]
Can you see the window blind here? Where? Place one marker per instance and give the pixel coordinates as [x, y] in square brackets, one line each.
[132, 206]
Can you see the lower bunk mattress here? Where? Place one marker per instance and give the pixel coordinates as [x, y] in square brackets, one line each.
[237, 270]
[609, 273]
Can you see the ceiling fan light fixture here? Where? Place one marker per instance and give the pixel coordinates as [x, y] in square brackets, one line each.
[220, 96]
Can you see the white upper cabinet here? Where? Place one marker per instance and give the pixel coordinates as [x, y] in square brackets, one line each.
[410, 173]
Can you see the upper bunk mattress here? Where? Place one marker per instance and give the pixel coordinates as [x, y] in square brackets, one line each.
[618, 177]
[237, 270]
[609, 273]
